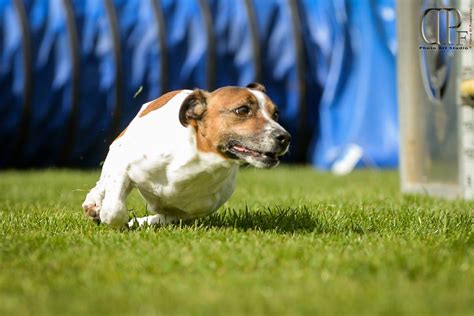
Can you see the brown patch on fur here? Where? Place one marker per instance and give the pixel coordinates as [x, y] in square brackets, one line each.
[154, 105]
[205, 145]
[158, 103]
[219, 119]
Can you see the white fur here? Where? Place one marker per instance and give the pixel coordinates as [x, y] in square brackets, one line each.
[261, 104]
[159, 157]
[271, 124]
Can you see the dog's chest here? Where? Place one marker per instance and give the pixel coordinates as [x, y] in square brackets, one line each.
[191, 190]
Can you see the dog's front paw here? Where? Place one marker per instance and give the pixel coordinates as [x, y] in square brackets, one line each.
[92, 210]
[114, 213]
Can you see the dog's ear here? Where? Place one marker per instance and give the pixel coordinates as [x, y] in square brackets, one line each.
[193, 107]
[256, 86]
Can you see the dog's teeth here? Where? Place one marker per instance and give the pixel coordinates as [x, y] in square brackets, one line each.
[243, 149]
[246, 150]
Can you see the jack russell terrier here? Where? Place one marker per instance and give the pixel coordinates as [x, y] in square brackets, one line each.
[182, 152]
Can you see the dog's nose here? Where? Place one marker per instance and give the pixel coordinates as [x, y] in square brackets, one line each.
[283, 138]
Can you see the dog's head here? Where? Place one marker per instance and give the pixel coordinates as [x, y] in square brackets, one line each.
[237, 123]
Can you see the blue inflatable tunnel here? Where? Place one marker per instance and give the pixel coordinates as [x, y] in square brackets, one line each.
[74, 73]
[353, 46]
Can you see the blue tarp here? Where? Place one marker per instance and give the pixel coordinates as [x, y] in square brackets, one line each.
[69, 71]
[11, 80]
[353, 46]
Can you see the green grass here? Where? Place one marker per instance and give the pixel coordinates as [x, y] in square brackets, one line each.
[289, 241]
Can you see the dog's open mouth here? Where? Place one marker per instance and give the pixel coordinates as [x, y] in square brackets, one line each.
[240, 151]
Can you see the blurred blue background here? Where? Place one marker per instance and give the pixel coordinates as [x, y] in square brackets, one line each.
[69, 70]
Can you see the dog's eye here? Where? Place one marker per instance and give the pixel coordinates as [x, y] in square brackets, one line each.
[242, 111]
[276, 115]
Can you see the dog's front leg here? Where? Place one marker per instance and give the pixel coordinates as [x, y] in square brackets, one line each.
[114, 211]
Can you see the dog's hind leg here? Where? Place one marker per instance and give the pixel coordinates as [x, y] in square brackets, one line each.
[158, 219]
[152, 203]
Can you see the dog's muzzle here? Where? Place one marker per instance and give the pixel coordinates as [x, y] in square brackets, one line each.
[282, 140]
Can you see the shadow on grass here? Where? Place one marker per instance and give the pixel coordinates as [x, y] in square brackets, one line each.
[279, 220]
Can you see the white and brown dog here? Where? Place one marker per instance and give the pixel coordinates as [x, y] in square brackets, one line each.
[182, 152]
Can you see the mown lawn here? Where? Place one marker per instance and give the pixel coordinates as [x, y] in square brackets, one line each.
[290, 241]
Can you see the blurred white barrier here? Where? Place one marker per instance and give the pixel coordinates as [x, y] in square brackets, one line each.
[436, 97]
